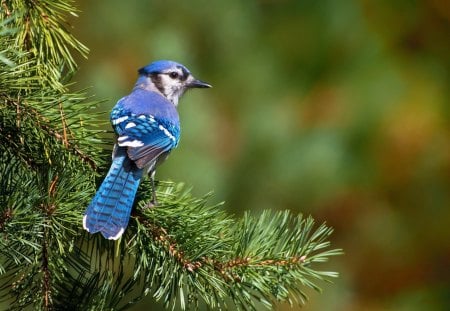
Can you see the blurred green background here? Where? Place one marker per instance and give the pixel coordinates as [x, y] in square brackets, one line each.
[338, 109]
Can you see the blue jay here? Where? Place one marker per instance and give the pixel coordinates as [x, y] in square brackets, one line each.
[148, 128]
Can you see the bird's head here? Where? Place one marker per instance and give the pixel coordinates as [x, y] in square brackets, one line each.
[169, 78]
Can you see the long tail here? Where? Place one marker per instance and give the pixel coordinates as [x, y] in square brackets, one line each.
[109, 211]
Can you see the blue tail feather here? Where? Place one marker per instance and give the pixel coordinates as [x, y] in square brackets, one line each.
[109, 211]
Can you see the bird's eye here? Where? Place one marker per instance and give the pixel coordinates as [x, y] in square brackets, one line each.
[173, 74]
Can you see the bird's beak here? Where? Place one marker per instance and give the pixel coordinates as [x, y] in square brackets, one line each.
[198, 84]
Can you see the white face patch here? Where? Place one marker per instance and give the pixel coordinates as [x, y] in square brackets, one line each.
[119, 120]
[172, 88]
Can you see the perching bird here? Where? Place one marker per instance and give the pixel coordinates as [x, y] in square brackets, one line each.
[148, 128]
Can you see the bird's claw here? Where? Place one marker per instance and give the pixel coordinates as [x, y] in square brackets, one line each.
[151, 204]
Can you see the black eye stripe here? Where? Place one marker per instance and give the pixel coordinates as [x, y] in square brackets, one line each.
[185, 73]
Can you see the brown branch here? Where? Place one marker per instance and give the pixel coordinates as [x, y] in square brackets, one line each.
[64, 125]
[160, 236]
[5, 216]
[18, 114]
[46, 280]
[27, 42]
[52, 188]
[225, 269]
[74, 148]
[43, 123]
[7, 11]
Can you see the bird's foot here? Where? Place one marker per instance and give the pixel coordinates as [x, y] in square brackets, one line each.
[151, 204]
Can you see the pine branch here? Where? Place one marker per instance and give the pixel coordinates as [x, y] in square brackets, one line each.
[185, 252]
[35, 20]
[65, 134]
[46, 172]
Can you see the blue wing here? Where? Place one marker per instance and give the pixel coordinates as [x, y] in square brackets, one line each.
[145, 136]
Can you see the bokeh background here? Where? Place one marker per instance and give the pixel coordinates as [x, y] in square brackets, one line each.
[338, 109]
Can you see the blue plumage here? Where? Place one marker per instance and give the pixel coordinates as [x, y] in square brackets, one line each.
[110, 209]
[148, 128]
